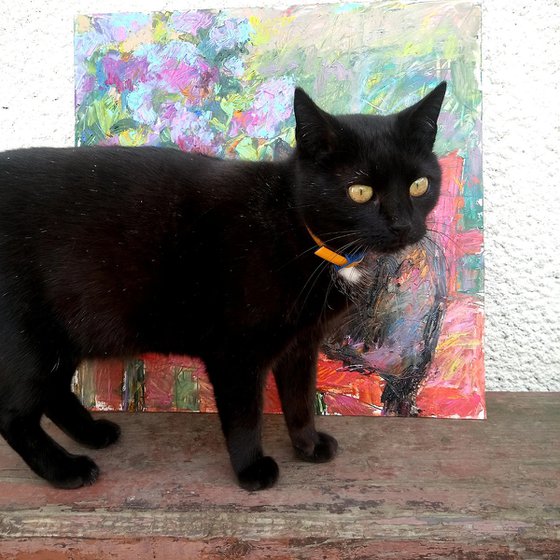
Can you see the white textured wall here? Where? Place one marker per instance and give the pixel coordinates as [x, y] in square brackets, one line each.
[521, 83]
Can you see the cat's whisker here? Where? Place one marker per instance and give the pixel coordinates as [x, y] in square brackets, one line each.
[314, 247]
[344, 248]
[325, 304]
[316, 271]
[332, 281]
[447, 236]
[303, 253]
[322, 267]
[325, 236]
[436, 251]
[430, 247]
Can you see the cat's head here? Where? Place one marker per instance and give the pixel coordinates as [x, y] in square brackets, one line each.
[367, 182]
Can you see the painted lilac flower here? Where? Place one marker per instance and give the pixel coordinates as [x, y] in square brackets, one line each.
[190, 130]
[109, 141]
[173, 50]
[85, 84]
[191, 21]
[229, 33]
[195, 81]
[114, 28]
[123, 73]
[271, 107]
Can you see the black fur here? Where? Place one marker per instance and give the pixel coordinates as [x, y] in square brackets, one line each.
[117, 251]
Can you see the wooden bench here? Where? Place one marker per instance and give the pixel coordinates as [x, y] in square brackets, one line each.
[400, 489]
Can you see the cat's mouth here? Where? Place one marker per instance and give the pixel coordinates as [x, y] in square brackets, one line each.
[397, 244]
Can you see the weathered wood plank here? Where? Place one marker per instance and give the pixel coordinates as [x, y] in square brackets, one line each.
[454, 486]
[168, 548]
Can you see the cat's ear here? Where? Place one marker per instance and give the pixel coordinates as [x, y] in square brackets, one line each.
[315, 129]
[420, 120]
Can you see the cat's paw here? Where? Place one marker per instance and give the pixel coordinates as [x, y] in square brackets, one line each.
[263, 473]
[100, 434]
[76, 471]
[321, 451]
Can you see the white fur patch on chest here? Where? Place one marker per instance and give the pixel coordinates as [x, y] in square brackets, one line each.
[351, 275]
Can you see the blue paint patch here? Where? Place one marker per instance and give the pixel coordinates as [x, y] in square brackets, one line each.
[346, 8]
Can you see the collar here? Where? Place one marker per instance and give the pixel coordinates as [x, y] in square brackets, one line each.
[339, 261]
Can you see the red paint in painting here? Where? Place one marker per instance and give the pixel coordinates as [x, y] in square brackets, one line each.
[108, 378]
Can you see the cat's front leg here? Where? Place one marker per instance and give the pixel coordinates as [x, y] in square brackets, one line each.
[238, 389]
[296, 376]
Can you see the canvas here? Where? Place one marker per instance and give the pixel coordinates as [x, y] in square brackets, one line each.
[221, 83]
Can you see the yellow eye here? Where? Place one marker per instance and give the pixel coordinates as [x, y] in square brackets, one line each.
[360, 193]
[419, 187]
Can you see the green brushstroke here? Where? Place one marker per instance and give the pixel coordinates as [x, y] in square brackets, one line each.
[320, 405]
[134, 391]
[471, 213]
[186, 396]
[470, 278]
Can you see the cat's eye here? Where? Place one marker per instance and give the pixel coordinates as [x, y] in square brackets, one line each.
[419, 187]
[360, 193]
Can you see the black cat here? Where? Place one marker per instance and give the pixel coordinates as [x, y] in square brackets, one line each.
[118, 251]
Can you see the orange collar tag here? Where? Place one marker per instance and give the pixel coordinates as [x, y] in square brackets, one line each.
[331, 256]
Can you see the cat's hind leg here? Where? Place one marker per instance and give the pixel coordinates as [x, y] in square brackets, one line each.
[24, 383]
[64, 408]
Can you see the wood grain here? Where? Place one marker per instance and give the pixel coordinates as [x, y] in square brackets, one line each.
[401, 488]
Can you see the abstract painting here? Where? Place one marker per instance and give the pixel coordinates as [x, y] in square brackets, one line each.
[221, 82]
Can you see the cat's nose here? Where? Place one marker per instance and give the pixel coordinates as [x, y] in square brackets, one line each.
[400, 228]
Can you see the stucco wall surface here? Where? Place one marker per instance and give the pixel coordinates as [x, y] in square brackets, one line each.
[521, 80]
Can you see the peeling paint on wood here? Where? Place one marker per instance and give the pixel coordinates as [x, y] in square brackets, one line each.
[401, 488]
[239, 549]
